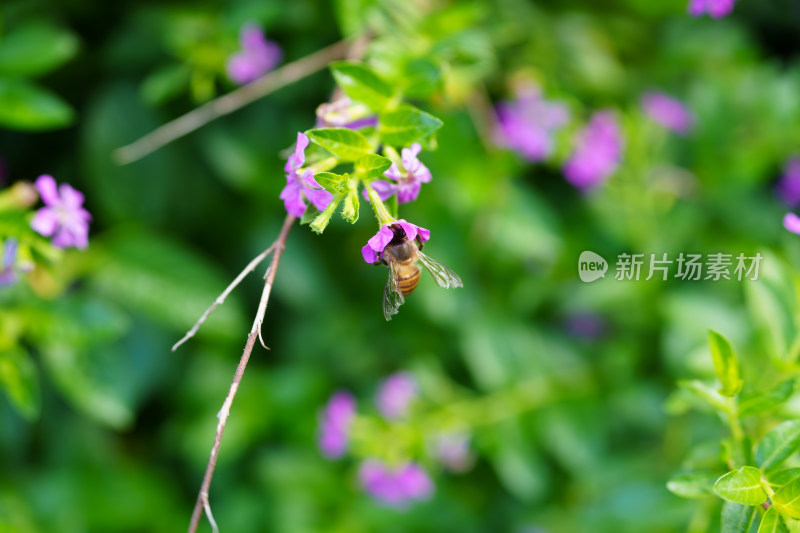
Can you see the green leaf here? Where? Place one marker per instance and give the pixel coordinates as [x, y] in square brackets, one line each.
[741, 486]
[346, 144]
[780, 478]
[756, 402]
[693, 484]
[725, 363]
[36, 49]
[787, 498]
[778, 444]
[360, 83]
[421, 79]
[331, 182]
[737, 518]
[772, 522]
[25, 106]
[19, 379]
[772, 314]
[406, 125]
[371, 166]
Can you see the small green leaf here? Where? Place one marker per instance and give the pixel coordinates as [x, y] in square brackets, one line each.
[346, 144]
[741, 486]
[25, 106]
[350, 207]
[787, 498]
[360, 83]
[772, 522]
[371, 166]
[406, 125]
[309, 215]
[330, 181]
[19, 379]
[753, 403]
[693, 484]
[725, 363]
[321, 222]
[36, 49]
[778, 444]
[737, 518]
[780, 478]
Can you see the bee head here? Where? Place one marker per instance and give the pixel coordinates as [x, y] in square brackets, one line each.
[399, 235]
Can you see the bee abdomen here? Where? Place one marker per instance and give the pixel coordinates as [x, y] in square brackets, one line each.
[408, 284]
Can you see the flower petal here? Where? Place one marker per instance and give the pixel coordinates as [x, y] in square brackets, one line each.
[384, 189]
[314, 191]
[45, 221]
[292, 198]
[393, 173]
[46, 185]
[379, 241]
[70, 197]
[298, 158]
[369, 254]
[792, 223]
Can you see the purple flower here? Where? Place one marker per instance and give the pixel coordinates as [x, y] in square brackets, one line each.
[789, 184]
[586, 325]
[257, 57]
[527, 124]
[298, 185]
[7, 274]
[63, 216]
[715, 8]
[344, 113]
[792, 223]
[598, 152]
[668, 111]
[398, 486]
[395, 395]
[334, 424]
[405, 184]
[375, 246]
[452, 450]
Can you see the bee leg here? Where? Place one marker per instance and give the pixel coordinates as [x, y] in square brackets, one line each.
[381, 261]
[419, 242]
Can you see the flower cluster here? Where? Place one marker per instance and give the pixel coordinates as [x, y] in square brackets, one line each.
[300, 183]
[714, 8]
[598, 152]
[63, 216]
[406, 183]
[397, 483]
[527, 124]
[257, 56]
[668, 111]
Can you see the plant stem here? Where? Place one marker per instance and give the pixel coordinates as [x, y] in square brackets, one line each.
[202, 498]
[381, 213]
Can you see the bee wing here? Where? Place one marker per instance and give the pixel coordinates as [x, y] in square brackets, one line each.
[443, 276]
[392, 297]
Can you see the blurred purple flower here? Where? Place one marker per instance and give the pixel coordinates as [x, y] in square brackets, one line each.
[344, 113]
[334, 424]
[667, 111]
[375, 246]
[527, 124]
[789, 184]
[792, 223]
[585, 325]
[7, 274]
[257, 56]
[395, 395]
[406, 184]
[598, 152]
[715, 8]
[63, 216]
[452, 450]
[397, 487]
[298, 185]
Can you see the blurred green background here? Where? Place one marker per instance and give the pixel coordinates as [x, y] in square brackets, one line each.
[124, 426]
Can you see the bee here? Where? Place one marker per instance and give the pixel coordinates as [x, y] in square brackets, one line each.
[403, 256]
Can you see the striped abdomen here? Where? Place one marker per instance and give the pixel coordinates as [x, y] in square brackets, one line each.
[406, 277]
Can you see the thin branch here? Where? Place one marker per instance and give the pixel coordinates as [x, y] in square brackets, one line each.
[270, 82]
[202, 498]
[221, 298]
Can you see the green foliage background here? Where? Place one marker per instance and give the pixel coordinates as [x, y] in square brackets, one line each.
[104, 429]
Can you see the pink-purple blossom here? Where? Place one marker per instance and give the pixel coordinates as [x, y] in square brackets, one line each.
[527, 124]
[63, 216]
[257, 56]
[344, 113]
[395, 395]
[395, 486]
[792, 223]
[715, 8]
[397, 230]
[789, 184]
[7, 274]
[597, 152]
[406, 183]
[300, 183]
[667, 111]
[334, 424]
[453, 451]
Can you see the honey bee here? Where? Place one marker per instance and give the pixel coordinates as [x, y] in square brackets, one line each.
[403, 256]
